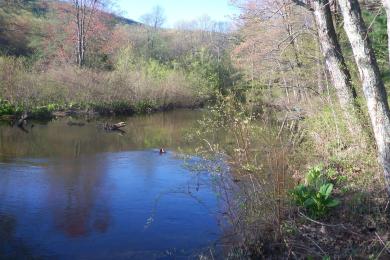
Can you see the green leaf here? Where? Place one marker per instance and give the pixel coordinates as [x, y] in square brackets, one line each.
[309, 202]
[333, 203]
[326, 190]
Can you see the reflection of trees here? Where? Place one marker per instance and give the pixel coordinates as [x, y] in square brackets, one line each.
[58, 139]
[10, 246]
[75, 193]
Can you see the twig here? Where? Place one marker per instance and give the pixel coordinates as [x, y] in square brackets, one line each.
[208, 143]
[372, 22]
[328, 225]
[322, 251]
[284, 122]
[384, 245]
[320, 223]
[387, 204]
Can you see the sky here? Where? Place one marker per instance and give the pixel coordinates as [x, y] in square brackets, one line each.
[178, 10]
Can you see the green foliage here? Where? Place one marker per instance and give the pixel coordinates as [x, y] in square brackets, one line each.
[126, 59]
[24, 14]
[156, 70]
[210, 72]
[145, 106]
[6, 108]
[43, 112]
[315, 194]
[378, 34]
[128, 69]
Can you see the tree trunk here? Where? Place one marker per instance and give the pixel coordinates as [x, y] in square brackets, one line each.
[336, 66]
[386, 5]
[286, 13]
[80, 32]
[373, 88]
[85, 11]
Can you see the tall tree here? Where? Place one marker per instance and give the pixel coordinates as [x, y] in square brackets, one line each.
[85, 11]
[156, 18]
[335, 64]
[373, 87]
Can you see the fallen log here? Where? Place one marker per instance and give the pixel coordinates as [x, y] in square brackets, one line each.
[114, 127]
[8, 117]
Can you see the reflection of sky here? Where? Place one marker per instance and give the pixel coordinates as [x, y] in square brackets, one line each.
[97, 205]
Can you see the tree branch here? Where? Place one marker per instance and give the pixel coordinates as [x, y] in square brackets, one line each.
[303, 4]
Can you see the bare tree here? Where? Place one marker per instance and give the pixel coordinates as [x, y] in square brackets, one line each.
[156, 18]
[373, 87]
[85, 11]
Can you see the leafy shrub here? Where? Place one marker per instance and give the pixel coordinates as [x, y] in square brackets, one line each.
[43, 112]
[6, 108]
[145, 106]
[315, 194]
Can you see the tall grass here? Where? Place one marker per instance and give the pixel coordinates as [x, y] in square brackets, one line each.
[147, 86]
[254, 186]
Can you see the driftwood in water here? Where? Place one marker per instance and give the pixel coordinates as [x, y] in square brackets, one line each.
[22, 121]
[117, 126]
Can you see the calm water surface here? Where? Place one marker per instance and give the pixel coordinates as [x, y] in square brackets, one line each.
[81, 192]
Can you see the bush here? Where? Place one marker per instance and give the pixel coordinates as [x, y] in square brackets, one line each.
[315, 194]
[6, 108]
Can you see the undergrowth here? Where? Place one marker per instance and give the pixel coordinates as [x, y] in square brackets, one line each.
[283, 205]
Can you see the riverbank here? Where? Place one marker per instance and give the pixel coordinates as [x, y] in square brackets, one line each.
[307, 188]
[10, 112]
[71, 90]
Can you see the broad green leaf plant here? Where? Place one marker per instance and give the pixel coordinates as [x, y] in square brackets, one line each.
[316, 194]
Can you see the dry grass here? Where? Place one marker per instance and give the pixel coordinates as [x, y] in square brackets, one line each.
[269, 157]
[70, 85]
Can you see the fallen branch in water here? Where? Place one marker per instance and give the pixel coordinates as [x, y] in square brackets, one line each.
[114, 127]
[22, 121]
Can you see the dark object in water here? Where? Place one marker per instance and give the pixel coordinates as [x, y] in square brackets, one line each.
[114, 127]
[22, 121]
[162, 150]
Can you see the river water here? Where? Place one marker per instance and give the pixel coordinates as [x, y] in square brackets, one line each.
[79, 192]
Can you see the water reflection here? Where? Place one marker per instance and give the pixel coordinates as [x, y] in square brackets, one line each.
[57, 138]
[79, 192]
[9, 244]
[75, 185]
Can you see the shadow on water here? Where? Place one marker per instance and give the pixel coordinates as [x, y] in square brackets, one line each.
[10, 246]
[82, 192]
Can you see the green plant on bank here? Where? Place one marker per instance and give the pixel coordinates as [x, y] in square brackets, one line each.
[44, 112]
[6, 108]
[316, 194]
[38, 112]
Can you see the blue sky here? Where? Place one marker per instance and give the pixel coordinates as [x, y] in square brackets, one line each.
[178, 10]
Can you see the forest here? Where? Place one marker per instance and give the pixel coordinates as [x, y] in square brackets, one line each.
[295, 124]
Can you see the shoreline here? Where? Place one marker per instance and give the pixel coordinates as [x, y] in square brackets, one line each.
[45, 113]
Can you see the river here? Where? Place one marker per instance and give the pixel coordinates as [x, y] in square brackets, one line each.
[80, 192]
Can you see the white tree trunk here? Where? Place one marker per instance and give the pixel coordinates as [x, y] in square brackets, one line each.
[336, 66]
[84, 12]
[373, 88]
